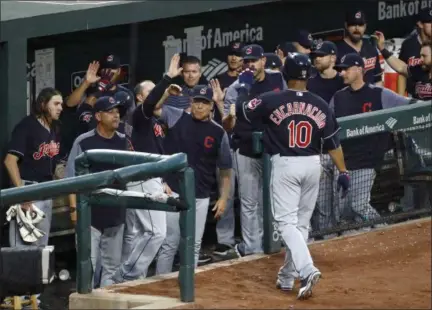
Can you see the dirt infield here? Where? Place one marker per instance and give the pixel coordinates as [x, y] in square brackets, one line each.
[382, 270]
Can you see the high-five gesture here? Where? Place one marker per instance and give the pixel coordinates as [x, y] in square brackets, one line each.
[218, 94]
[91, 74]
[174, 68]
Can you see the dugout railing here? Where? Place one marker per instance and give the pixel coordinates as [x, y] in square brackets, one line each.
[389, 156]
[98, 189]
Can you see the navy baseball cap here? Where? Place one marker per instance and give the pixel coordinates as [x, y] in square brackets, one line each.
[252, 51]
[324, 48]
[355, 17]
[202, 92]
[425, 15]
[350, 60]
[235, 48]
[106, 103]
[304, 38]
[110, 61]
[272, 61]
[287, 47]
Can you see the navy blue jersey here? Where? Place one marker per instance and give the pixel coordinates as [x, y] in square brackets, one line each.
[325, 88]
[37, 149]
[370, 55]
[365, 151]
[242, 133]
[225, 80]
[410, 54]
[205, 143]
[147, 132]
[101, 217]
[366, 99]
[86, 120]
[422, 82]
[297, 123]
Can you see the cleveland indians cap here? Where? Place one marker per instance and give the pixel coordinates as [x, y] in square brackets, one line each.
[105, 103]
[355, 17]
[350, 60]
[272, 61]
[252, 51]
[324, 48]
[286, 47]
[304, 38]
[110, 61]
[425, 15]
[235, 48]
[202, 92]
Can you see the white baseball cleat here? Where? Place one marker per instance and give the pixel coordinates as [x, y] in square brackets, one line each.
[308, 284]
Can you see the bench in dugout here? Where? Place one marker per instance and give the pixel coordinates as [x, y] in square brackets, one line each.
[391, 174]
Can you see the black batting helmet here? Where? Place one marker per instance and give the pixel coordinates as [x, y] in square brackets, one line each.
[297, 66]
[124, 101]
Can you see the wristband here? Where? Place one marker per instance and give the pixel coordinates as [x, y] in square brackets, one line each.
[386, 53]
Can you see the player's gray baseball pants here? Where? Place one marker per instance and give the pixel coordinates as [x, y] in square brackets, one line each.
[251, 210]
[294, 191]
[225, 226]
[170, 245]
[323, 217]
[15, 239]
[356, 205]
[106, 246]
[145, 230]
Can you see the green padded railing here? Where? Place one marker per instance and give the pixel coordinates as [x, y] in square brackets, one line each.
[139, 166]
[412, 118]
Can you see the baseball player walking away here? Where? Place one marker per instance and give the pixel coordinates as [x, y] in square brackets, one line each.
[207, 148]
[297, 125]
[107, 224]
[420, 73]
[145, 230]
[363, 155]
[32, 157]
[248, 165]
[353, 42]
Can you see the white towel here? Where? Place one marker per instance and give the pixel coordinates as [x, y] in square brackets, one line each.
[26, 221]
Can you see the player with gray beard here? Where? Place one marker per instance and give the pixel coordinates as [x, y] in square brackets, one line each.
[298, 124]
[248, 165]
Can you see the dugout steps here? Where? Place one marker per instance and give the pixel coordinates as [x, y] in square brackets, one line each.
[108, 298]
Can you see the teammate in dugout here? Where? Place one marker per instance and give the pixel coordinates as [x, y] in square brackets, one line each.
[363, 155]
[353, 42]
[248, 165]
[107, 224]
[410, 49]
[297, 125]
[32, 156]
[420, 74]
[145, 230]
[207, 148]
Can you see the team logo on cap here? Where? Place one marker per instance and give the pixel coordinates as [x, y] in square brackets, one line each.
[319, 45]
[343, 59]
[203, 91]
[249, 51]
[303, 73]
[310, 37]
[110, 58]
[236, 45]
[358, 15]
[111, 100]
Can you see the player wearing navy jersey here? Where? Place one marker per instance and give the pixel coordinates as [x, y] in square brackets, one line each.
[355, 27]
[145, 230]
[327, 80]
[107, 224]
[420, 74]
[234, 63]
[363, 154]
[410, 49]
[297, 124]
[248, 165]
[32, 156]
[207, 147]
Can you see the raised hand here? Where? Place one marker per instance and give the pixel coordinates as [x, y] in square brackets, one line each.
[218, 94]
[91, 74]
[174, 68]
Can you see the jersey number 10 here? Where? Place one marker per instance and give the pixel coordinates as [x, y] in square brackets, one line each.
[300, 134]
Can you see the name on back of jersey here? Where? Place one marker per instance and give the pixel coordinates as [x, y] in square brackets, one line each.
[299, 108]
